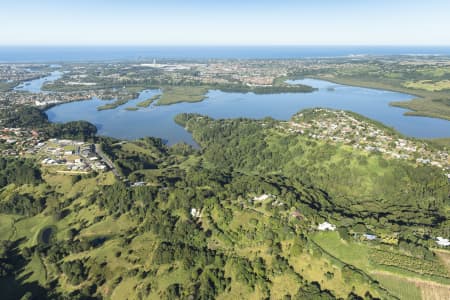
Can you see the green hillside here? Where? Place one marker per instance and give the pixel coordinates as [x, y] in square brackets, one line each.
[236, 219]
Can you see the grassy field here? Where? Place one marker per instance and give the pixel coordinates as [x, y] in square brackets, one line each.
[314, 269]
[443, 142]
[395, 280]
[413, 288]
[136, 254]
[172, 95]
[428, 85]
[433, 291]
[356, 254]
[400, 287]
[444, 256]
[7, 225]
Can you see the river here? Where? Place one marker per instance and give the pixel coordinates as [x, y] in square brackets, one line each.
[158, 120]
[35, 86]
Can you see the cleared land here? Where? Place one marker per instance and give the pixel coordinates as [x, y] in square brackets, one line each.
[399, 286]
[361, 256]
[412, 288]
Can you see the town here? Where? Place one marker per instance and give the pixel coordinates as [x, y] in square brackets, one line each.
[339, 126]
[56, 155]
[77, 81]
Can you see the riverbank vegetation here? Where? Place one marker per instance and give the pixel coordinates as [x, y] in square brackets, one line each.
[172, 95]
[131, 108]
[177, 94]
[116, 103]
[149, 101]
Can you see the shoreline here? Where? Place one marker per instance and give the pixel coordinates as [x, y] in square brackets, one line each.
[410, 111]
[155, 104]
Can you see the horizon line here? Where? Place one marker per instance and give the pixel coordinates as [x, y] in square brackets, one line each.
[225, 45]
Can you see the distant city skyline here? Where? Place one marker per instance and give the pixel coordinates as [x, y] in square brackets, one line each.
[232, 22]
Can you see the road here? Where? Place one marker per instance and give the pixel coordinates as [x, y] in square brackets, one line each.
[106, 160]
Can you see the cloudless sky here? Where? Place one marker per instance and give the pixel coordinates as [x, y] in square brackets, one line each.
[230, 22]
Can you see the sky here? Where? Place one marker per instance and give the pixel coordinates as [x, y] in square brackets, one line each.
[230, 22]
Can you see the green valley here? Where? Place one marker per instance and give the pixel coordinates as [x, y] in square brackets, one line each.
[239, 218]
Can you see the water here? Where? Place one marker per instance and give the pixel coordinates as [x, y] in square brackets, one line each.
[107, 53]
[35, 86]
[46, 235]
[158, 120]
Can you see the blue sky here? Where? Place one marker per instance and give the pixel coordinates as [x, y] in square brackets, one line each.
[231, 22]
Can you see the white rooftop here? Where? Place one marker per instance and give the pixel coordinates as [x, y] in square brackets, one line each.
[195, 212]
[442, 242]
[262, 197]
[326, 226]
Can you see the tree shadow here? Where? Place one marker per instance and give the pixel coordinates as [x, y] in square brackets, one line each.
[13, 286]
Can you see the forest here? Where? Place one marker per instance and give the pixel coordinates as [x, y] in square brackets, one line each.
[34, 118]
[365, 188]
[188, 223]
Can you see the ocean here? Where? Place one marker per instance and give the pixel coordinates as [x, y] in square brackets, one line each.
[40, 54]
